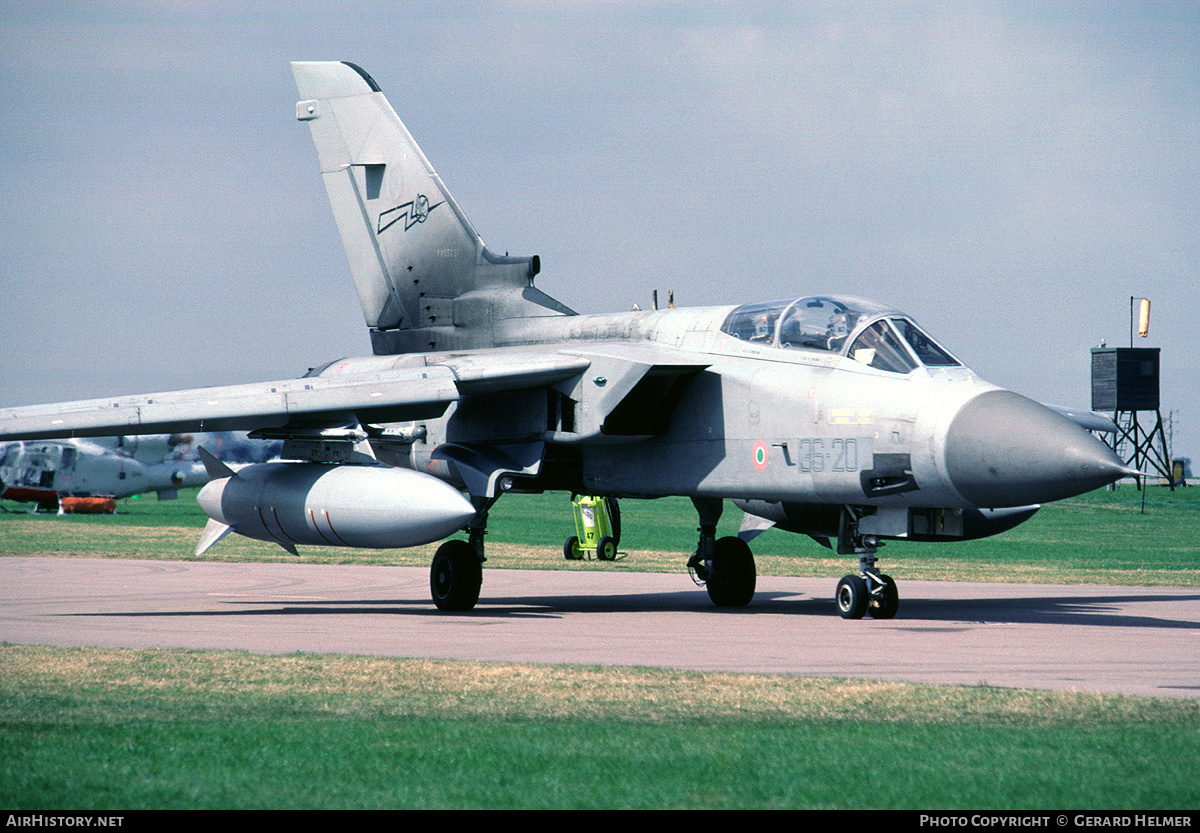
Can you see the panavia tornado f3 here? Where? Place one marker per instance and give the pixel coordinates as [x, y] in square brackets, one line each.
[836, 417]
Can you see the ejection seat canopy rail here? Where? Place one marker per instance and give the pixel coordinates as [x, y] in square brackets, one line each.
[867, 332]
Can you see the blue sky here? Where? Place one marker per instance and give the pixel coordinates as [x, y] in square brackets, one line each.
[1009, 173]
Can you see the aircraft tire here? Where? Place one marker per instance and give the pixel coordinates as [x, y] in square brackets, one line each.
[571, 549]
[851, 597]
[455, 576]
[614, 518]
[885, 605]
[731, 582]
[606, 549]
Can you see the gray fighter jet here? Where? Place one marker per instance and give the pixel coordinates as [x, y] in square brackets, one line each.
[835, 417]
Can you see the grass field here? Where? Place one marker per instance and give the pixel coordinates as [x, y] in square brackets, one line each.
[122, 729]
[105, 729]
[1100, 538]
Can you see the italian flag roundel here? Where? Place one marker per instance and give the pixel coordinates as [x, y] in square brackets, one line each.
[760, 455]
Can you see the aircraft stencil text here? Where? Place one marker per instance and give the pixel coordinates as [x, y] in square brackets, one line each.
[836, 455]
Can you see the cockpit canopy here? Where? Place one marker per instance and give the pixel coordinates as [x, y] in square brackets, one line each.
[876, 336]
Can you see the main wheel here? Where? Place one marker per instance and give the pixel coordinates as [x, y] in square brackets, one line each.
[851, 597]
[731, 582]
[455, 577]
[614, 518]
[884, 605]
[606, 549]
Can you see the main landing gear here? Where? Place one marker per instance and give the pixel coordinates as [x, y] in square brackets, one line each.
[725, 565]
[870, 591]
[456, 575]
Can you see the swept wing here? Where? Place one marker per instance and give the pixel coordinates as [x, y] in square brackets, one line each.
[380, 396]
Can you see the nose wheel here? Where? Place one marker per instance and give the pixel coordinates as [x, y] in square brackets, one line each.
[885, 600]
[869, 592]
[851, 597]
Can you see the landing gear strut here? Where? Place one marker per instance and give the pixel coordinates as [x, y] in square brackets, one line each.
[870, 591]
[725, 565]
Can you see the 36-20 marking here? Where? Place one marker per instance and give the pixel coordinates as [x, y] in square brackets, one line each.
[842, 455]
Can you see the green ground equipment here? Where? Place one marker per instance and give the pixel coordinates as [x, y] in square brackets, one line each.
[597, 528]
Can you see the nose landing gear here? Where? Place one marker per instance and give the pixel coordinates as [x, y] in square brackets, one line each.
[870, 591]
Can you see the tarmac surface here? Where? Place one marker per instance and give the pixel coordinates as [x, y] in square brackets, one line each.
[1085, 638]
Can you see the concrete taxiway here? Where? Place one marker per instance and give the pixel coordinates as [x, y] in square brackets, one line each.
[1129, 640]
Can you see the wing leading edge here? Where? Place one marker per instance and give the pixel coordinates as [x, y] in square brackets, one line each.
[391, 396]
[381, 396]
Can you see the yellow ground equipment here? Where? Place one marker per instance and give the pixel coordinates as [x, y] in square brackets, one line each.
[597, 528]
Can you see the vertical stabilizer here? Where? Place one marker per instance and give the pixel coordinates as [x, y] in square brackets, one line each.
[412, 251]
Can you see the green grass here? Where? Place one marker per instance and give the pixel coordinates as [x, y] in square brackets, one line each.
[99, 729]
[121, 729]
[1100, 538]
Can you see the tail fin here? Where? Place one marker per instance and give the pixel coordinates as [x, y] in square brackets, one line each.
[412, 251]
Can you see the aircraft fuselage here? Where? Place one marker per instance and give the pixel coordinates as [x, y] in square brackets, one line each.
[782, 430]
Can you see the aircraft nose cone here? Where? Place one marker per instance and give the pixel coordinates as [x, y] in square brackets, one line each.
[1005, 450]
